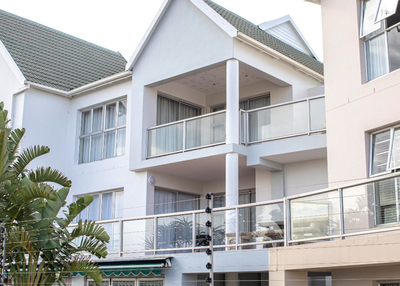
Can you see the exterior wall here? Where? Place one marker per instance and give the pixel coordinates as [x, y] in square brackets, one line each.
[9, 85]
[354, 107]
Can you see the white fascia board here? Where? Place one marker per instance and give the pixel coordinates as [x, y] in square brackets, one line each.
[147, 35]
[48, 89]
[271, 52]
[269, 24]
[102, 82]
[216, 18]
[11, 63]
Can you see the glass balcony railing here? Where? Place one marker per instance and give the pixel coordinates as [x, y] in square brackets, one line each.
[193, 133]
[357, 209]
[290, 119]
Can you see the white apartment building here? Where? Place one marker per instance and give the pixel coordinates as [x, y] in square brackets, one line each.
[211, 103]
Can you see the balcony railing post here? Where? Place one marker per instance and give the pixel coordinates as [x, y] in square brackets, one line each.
[193, 232]
[341, 205]
[308, 117]
[155, 235]
[237, 228]
[121, 238]
[286, 222]
[184, 123]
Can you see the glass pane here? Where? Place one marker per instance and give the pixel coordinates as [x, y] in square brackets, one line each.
[187, 202]
[139, 235]
[97, 119]
[395, 156]
[165, 140]
[387, 197]
[317, 114]
[315, 216]
[95, 148]
[106, 206]
[122, 112]
[281, 121]
[205, 131]
[358, 206]
[111, 110]
[394, 44]
[386, 9]
[119, 205]
[93, 209]
[84, 150]
[85, 122]
[261, 223]
[109, 144]
[167, 110]
[218, 229]
[114, 231]
[121, 135]
[174, 232]
[129, 282]
[369, 25]
[376, 57]
[258, 102]
[380, 152]
[188, 111]
[164, 201]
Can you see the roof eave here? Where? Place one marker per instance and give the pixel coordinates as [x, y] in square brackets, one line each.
[12, 64]
[273, 53]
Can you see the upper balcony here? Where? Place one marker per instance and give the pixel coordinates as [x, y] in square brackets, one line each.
[279, 121]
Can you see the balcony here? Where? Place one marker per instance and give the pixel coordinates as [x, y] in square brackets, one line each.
[371, 206]
[296, 118]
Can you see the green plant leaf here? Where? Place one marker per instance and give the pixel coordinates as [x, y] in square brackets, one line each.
[48, 175]
[27, 155]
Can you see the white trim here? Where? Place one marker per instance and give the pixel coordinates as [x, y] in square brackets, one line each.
[147, 35]
[11, 63]
[270, 24]
[215, 17]
[47, 88]
[301, 68]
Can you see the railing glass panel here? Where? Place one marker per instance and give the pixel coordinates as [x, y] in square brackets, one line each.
[174, 232]
[138, 235]
[276, 122]
[315, 216]
[114, 230]
[206, 130]
[261, 224]
[165, 139]
[371, 206]
[317, 114]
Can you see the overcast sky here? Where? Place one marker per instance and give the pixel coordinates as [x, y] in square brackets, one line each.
[119, 25]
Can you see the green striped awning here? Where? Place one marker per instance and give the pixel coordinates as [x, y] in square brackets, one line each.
[125, 268]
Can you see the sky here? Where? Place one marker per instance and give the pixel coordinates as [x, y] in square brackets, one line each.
[119, 25]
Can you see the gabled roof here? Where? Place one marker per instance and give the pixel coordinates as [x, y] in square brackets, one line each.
[285, 29]
[51, 58]
[246, 27]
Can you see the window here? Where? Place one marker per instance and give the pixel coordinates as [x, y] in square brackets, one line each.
[103, 132]
[248, 104]
[169, 110]
[128, 282]
[381, 32]
[166, 201]
[385, 151]
[105, 205]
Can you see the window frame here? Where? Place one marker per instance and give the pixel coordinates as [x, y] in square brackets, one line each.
[388, 168]
[383, 30]
[102, 131]
[100, 194]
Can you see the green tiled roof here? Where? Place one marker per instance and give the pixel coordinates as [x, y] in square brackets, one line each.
[253, 31]
[55, 59]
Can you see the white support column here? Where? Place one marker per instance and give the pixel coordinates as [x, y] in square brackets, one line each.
[232, 179]
[232, 102]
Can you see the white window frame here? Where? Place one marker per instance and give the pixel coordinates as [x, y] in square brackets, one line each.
[133, 279]
[102, 131]
[382, 30]
[388, 168]
[100, 194]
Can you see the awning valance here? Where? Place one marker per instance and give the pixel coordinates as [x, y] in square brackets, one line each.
[137, 267]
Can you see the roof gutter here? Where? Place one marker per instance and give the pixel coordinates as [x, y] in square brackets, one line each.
[81, 89]
[276, 55]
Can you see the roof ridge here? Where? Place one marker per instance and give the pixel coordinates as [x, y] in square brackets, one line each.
[57, 31]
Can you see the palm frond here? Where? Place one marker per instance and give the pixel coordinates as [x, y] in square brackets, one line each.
[43, 174]
[27, 155]
[91, 229]
[83, 264]
[74, 209]
[93, 246]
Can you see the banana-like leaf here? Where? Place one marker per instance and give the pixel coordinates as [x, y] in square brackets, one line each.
[4, 152]
[27, 155]
[90, 229]
[74, 210]
[49, 175]
[86, 266]
[16, 137]
[94, 247]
